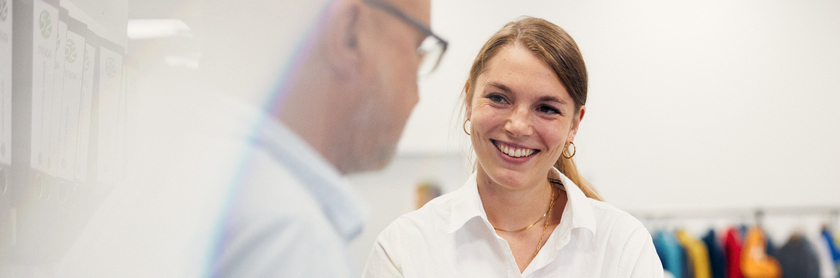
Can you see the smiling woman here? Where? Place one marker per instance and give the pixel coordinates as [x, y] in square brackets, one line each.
[525, 212]
[562, 66]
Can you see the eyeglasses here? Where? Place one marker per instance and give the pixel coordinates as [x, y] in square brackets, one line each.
[431, 49]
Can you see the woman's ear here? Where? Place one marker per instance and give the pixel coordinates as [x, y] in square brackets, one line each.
[467, 101]
[576, 119]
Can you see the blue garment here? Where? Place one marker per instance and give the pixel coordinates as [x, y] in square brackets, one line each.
[660, 249]
[717, 260]
[835, 253]
[672, 253]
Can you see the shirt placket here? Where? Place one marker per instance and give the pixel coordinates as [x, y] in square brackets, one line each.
[510, 261]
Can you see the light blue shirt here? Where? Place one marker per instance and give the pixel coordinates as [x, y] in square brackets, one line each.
[291, 213]
[219, 189]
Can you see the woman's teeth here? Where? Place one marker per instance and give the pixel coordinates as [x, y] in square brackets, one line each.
[514, 152]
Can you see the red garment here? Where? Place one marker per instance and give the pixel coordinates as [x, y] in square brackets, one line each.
[732, 247]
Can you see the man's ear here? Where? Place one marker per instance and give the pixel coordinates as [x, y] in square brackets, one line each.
[342, 45]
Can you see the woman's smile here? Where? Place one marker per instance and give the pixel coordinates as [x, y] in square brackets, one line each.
[512, 150]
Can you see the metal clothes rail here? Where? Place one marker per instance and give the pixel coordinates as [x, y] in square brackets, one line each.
[757, 212]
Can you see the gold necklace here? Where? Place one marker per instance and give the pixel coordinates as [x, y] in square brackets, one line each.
[538, 220]
[539, 245]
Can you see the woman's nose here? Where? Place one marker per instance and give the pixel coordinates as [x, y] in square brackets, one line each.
[519, 122]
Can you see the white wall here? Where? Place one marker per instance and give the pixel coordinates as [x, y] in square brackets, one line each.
[692, 104]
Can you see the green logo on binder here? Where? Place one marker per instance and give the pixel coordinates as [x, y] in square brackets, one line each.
[46, 24]
[110, 67]
[86, 65]
[70, 51]
[4, 10]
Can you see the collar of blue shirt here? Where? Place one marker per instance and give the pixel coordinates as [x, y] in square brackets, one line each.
[339, 202]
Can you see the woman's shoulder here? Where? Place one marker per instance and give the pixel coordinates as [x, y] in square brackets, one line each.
[617, 221]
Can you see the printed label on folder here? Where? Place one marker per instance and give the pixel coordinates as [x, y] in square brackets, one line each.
[110, 73]
[68, 132]
[54, 148]
[45, 27]
[84, 113]
[5, 82]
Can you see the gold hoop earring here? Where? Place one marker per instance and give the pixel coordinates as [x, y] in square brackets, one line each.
[566, 150]
[465, 127]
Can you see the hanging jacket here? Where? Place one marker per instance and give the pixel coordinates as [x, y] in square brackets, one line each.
[732, 246]
[754, 260]
[798, 259]
[717, 260]
[697, 253]
[688, 266]
[827, 267]
[672, 252]
[832, 246]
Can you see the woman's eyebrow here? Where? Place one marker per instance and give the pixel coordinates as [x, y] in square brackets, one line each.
[552, 99]
[500, 86]
[504, 88]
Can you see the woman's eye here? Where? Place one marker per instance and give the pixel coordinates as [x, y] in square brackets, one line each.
[496, 98]
[548, 109]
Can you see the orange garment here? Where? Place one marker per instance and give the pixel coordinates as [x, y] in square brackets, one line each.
[754, 261]
[697, 253]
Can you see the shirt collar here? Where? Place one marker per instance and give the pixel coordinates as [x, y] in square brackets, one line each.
[577, 213]
[467, 205]
[339, 202]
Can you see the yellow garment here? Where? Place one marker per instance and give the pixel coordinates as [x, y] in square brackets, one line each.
[754, 260]
[697, 254]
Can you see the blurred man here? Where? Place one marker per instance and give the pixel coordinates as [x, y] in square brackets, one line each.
[341, 109]
[240, 170]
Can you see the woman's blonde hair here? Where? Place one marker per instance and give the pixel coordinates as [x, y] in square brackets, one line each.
[553, 45]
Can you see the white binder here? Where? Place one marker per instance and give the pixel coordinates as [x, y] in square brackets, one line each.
[110, 73]
[5, 87]
[54, 112]
[45, 29]
[86, 108]
[6, 211]
[73, 65]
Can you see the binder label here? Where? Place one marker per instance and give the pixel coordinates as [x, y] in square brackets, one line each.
[43, 77]
[5, 82]
[86, 99]
[68, 133]
[54, 149]
[109, 105]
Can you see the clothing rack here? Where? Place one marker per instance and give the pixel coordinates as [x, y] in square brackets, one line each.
[758, 212]
[786, 229]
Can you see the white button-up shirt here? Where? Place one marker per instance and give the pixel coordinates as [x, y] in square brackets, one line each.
[451, 237]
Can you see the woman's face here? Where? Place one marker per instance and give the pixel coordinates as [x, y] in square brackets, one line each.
[521, 118]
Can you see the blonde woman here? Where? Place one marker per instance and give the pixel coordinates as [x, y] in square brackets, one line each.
[525, 211]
